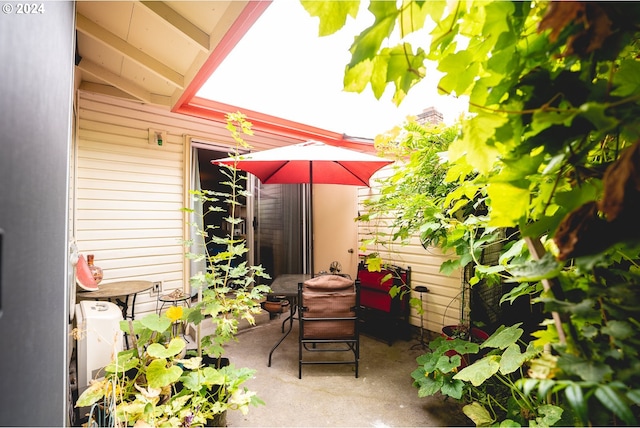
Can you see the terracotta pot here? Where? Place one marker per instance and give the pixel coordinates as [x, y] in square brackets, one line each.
[276, 307]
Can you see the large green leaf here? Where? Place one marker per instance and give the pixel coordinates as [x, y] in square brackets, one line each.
[368, 42]
[448, 364]
[192, 381]
[413, 14]
[214, 376]
[509, 204]
[634, 396]
[378, 69]
[358, 76]
[478, 414]
[92, 394]
[428, 361]
[524, 289]
[596, 113]
[511, 360]
[619, 329]
[576, 399]
[614, 402]
[477, 133]
[535, 270]
[196, 380]
[429, 386]
[159, 375]
[527, 385]
[452, 387]
[461, 71]
[405, 68]
[586, 369]
[126, 360]
[544, 119]
[479, 371]
[497, 21]
[156, 322]
[458, 345]
[549, 415]
[175, 346]
[627, 78]
[503, 337]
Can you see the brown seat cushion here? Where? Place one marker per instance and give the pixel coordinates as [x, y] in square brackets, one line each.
[329, 296]
[328, 283]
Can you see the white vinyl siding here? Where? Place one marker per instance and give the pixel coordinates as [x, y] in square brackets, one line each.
[441, 303]
[130, 193]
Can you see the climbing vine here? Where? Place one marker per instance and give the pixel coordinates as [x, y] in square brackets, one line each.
[552, 145]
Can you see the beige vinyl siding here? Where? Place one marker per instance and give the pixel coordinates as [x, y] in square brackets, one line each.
[441, 304]
[129, 193]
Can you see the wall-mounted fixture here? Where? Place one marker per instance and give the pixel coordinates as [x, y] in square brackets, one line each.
[157, 138]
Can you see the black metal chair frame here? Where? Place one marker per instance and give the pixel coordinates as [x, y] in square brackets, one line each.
[309, 344]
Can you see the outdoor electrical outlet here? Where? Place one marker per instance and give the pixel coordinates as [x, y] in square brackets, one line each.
[156, 288]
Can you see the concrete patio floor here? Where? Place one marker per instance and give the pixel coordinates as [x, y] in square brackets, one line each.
[330, 395]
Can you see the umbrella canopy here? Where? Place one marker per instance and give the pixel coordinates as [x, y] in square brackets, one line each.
[311, 162]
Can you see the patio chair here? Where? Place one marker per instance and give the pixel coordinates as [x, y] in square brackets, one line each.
[382, 315]
[328, 315]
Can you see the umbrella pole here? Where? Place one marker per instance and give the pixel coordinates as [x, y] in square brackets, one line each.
[311, 217]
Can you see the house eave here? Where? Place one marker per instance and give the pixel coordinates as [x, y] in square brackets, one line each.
[216, 111]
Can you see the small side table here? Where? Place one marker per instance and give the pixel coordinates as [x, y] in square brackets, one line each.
[421, 344]
[175, 298]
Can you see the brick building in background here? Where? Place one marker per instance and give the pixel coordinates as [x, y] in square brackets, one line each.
[430, 116]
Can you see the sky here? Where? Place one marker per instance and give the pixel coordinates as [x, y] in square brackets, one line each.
[281, 67]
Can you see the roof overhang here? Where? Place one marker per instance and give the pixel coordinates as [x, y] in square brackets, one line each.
[162, 53]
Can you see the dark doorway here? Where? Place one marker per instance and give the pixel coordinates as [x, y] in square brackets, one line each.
[273, 214]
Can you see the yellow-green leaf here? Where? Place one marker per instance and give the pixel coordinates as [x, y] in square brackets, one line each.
[92, 394]
[332, 14]
[475, 143]
[157, 350]
[479, 371]
[159, 375]
[478, 414]
[508, 204]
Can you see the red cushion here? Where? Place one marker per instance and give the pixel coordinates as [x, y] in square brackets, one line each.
[374, 280]
[375, 299]
[374, 292]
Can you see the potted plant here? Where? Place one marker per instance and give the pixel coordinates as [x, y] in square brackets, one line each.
[464, 329]
[464, 332]
[157, 382]
[491, 388]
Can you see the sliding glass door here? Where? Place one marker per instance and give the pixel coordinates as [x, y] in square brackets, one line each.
[275, 216]
[280, 227]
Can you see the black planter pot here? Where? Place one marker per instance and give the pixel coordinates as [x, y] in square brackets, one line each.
[216, 362]
[219, 420]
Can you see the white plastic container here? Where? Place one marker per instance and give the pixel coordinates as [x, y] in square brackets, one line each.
[99, 323]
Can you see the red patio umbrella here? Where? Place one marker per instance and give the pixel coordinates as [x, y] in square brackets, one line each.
[310, 162]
